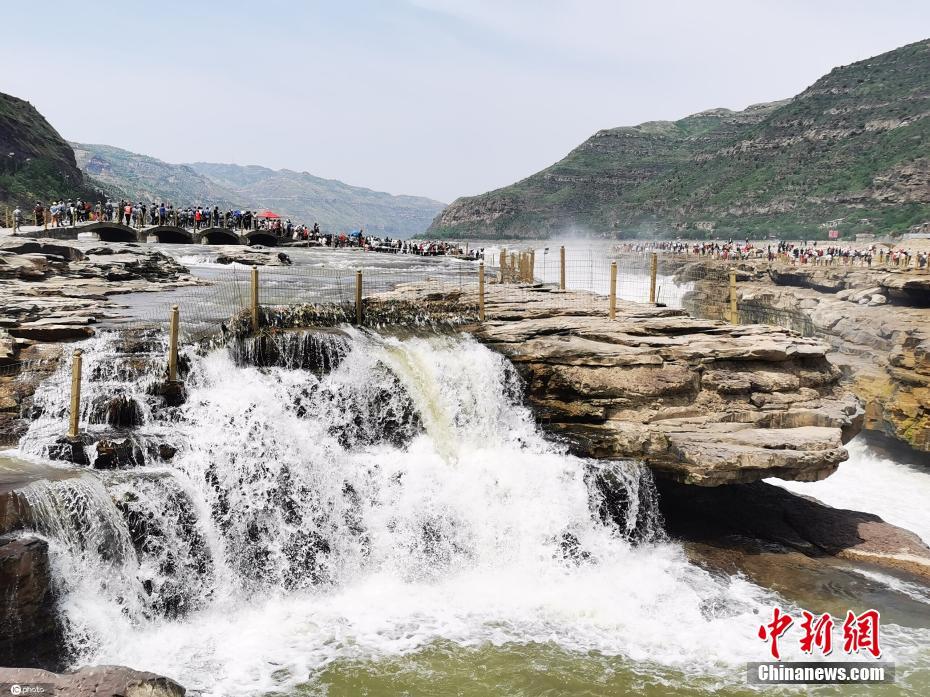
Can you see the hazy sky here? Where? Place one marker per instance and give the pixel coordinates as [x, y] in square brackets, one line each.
[440, 98]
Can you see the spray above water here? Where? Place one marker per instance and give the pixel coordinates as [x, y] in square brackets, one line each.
[337, 496]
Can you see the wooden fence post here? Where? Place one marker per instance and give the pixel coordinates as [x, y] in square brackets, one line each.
[503, 264]
[562, 267]
[613, 290]
[532, 268]
[75, 394]
[653, 269]
[255, 299]
[734, 311]
[481, 291]
[173, 345]
[358, 297]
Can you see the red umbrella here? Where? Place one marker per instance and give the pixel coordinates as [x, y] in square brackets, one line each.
[267, 214]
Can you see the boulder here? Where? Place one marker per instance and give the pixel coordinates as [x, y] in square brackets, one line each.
[30, 633]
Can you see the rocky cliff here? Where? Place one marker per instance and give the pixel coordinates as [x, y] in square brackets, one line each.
[854, 147]
[36, 163]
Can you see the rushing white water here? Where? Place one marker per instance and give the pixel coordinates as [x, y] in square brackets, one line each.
[871, 482]
[339, 496]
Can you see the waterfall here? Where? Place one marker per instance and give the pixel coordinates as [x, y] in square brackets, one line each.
[337, 495]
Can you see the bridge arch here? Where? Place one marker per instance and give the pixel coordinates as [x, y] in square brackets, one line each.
[112, 232]
[219, 235]
[169, 234]
[265, 237]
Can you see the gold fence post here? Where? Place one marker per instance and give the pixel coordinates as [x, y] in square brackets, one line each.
[481, 291]
[613, 290]
[562, 267]
[358, 297]
[532, 265]
[734, 312]
[503, 264]
[75, 394]
[512, 268]
[653, 269]
[255, 299]
[173, 344]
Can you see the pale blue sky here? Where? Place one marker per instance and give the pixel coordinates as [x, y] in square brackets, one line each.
[440, 98]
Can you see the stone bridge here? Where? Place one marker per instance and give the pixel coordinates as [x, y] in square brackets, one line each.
[165, 234]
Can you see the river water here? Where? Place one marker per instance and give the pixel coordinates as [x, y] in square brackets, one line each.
[396, 524]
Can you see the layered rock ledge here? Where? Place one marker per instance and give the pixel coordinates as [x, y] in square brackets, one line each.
[875, 321]
[700, 401]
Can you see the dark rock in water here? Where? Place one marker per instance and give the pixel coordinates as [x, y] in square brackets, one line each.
[284, 259]
[100, 251]
[119, 411]
[173, 393]
[175, 563]
[15, 512]
[71, 449]
[30, 633]
[624, 499]
[762, 511]
[317, 351]
[385, 413]
[570, 549]
[96, 681]
[166, 452]
[118, 454]
[306, 553]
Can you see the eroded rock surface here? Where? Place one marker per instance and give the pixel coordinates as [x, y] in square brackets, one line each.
[96, 681]
[877, 322]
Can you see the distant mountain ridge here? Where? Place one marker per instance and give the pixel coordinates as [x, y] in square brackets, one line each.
[851, 151]
[297, 195]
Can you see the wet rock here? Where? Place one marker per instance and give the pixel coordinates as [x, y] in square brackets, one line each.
[122, 411]
[769, 513]
[71, 449]
[254, 257]
[96, 681]
[319, 351]
[30, 633]
[118, 454]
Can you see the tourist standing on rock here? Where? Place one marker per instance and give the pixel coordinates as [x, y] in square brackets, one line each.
[17, 218]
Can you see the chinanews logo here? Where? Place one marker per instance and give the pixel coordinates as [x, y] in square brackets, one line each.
[858, 636]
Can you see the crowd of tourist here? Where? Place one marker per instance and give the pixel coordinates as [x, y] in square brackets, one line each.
[800, 253]
[357, 238]
[73, 212]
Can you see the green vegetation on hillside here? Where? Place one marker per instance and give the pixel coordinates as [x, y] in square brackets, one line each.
[854, 147]
[35, 161]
